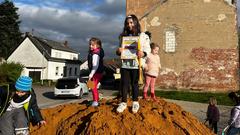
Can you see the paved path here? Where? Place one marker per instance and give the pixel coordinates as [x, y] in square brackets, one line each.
[199, 110]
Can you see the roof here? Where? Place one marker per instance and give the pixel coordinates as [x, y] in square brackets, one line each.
[45, 46]
[112, 64]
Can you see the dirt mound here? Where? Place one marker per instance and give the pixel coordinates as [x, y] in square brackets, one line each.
[162, 118]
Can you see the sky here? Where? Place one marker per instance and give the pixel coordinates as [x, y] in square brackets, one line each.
[75, 21]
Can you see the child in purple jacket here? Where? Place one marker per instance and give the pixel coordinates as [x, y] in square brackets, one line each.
[213, 114]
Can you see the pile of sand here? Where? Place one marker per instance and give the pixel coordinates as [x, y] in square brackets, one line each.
[162, 118]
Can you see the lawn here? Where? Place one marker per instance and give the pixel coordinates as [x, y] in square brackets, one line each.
[201, 97]
[186, 95]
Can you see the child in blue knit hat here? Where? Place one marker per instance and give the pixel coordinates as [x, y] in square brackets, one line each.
[19, 108]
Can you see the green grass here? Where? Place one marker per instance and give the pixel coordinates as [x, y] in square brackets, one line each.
[201, 97]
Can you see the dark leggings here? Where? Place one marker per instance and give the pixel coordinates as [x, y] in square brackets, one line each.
[213, 126]
[129, 76]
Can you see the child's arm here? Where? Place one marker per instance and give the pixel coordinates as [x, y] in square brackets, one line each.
[234, 115]
[145, 44]
[160, 66]
[34, 112]
[95, 64]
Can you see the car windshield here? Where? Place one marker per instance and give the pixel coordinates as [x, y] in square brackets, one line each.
[66, 83]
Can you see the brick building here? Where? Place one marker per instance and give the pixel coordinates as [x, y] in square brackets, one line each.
[198, 41]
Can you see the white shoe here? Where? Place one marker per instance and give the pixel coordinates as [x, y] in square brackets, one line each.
[94, 103]
[121, 107]
[135, 106]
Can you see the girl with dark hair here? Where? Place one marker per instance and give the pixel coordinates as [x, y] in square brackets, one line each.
[130, 67]
[234, 121]
[95, 65]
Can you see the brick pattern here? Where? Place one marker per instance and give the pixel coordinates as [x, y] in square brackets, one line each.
[206, 54]
[217, 71]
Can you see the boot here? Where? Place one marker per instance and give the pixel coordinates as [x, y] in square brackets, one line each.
[154, 97]
[145, 95]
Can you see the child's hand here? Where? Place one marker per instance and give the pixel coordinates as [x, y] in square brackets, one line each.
[140, 54]
[119, 50]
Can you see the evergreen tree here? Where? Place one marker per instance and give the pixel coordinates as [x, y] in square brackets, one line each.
[10, 35]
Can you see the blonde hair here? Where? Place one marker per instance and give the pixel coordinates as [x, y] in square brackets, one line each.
[212, 101]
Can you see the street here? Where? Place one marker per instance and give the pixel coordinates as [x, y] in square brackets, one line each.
[46, 99]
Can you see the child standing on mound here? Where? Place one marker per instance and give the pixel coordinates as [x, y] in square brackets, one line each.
[130, 67]
[151, 71]
[95, 65]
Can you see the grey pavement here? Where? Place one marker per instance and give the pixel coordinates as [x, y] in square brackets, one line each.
[199, 110]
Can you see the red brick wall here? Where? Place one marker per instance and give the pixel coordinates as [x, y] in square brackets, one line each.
[217, 71]
[206, 56]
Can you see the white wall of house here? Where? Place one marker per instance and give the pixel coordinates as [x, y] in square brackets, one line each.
[28, 55]
[84, 65]
[43, 76]
[56, 70]
[52, 73]
[64, 55]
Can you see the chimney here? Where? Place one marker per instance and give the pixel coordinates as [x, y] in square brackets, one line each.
[65, 43]
[27, 34]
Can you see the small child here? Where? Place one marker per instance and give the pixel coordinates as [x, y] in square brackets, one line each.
[95, 65]
[213, 114]
[19, 108]
[151, 71]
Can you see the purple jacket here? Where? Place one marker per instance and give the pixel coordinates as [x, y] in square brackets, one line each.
[235, 117]
[212, 113]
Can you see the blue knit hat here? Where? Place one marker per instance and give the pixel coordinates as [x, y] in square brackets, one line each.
[24, 83]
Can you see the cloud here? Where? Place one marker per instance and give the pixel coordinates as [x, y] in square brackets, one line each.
[111, 8]
[75, 25]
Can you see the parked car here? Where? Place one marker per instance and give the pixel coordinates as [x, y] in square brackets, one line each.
[70, 86]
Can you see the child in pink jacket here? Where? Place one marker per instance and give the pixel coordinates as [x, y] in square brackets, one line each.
[151, 71]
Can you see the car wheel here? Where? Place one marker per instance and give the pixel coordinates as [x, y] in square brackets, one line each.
[80, 93]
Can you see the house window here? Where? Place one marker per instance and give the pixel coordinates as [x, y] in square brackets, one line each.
[170, 43]
[70, 71]
[58, 55]
[57, 70]
[75, 71]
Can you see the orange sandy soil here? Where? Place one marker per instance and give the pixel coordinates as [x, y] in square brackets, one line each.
[162, 118]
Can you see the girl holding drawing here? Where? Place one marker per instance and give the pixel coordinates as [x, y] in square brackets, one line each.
[130, 66]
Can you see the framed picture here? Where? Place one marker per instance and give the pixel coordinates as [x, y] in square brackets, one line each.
[130, 46]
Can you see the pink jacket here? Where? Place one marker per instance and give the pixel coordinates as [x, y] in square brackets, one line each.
[152, 65]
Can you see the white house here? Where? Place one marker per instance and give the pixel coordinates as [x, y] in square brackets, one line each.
[45, 59]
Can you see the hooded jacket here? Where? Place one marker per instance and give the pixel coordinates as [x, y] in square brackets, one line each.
[235, 116]
[32, 111]
[100, 53]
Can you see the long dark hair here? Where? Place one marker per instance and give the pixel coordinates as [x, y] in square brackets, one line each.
[137, 27]
[234, 96]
